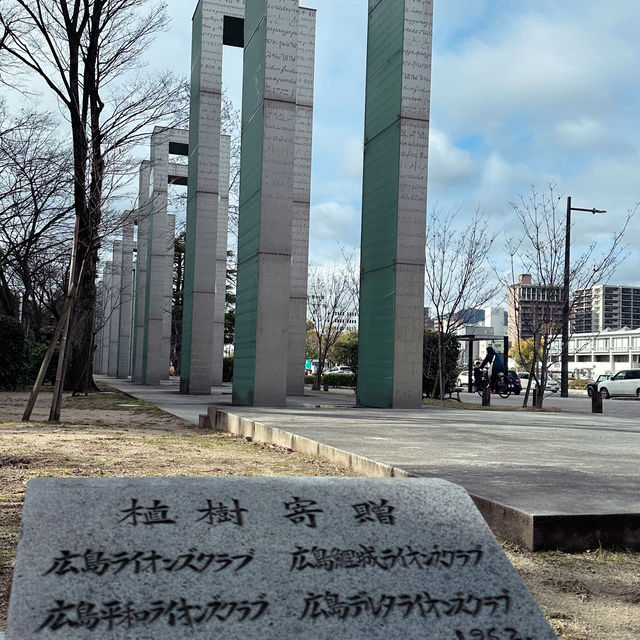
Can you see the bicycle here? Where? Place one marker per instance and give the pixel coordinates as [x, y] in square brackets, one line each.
[502, 386]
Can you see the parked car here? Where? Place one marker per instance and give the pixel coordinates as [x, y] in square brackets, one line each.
[342, 370]
[623, 383]
[592, 386]
[314, 367]
[513, 380]
[463, 379]
[551, 384]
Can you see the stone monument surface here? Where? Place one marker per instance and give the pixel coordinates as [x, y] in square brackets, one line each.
[142, 558]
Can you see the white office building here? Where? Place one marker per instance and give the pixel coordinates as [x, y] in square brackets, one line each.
[591, 354]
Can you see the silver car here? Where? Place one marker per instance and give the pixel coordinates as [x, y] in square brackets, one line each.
[623, 383]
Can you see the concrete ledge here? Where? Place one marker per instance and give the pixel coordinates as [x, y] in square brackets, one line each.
[581, 532]
[243, 427]
[507, 522]
[562, 532]
[534, 532]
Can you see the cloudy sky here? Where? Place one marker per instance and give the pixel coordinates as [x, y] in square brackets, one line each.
[526, 92]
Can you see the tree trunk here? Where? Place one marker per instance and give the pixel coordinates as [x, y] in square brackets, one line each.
[80, 342]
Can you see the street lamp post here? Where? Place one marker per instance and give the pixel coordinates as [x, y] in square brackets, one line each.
[564, 357]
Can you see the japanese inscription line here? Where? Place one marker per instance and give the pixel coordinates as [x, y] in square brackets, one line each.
[101, 563]
[183, 612]
[297, 510]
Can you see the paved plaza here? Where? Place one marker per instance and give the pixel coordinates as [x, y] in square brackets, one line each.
[561, 478]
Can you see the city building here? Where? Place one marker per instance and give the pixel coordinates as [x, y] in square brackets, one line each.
[591, 354]
[605, 307]
[488, 331]
[533, 308]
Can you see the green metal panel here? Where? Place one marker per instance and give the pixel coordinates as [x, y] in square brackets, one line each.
[384, 67]
[381, 173]
[250, 186]
[187, 301]
[375, 363]
[255, 38]
[244, 356]
[244, 360]
[380, 204]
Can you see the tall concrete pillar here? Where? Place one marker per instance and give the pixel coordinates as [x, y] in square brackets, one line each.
[114, 324]
[394, 203]
[157, 337]
[142, 219]
[217, 353]
[167, 308]
[126, 298]
[106, 316]
[266, 199]
[215, 22]
[301, 202]
[99, 326]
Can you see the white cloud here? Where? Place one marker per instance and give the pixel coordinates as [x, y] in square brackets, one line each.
[533, 65]
[332, 224]
[353, 157]
[587, 135]
[449, 165]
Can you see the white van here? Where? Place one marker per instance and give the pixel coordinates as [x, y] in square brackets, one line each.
[624, 383]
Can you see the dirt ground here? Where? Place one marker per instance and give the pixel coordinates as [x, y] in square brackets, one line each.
[588, 596]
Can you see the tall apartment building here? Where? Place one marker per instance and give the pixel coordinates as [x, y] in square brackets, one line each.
[533, 307]
[605, 307]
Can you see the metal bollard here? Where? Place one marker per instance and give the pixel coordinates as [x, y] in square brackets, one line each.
[486, 397]
[596, 402]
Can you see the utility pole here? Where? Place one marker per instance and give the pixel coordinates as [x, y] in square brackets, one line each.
[564, 357]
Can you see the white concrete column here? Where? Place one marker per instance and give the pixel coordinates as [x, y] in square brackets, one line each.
[202, 242]
[142, 219]
[114, 325]
[167, 310]
[99, 326]
[301, 202]
[106, 316]
[217, 354]
[126, 298]
[157, 337]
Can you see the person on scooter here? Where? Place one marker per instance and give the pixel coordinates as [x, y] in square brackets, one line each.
[496, 366]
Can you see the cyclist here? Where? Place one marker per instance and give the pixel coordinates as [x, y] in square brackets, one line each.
[496, 366]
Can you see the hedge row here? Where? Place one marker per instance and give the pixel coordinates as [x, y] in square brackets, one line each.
[21, 359]
[334, 380]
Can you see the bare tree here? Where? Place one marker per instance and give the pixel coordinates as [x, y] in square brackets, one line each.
[89, 54]
[539, 251]
[456, 277]
[36, 189]
[328, 309]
